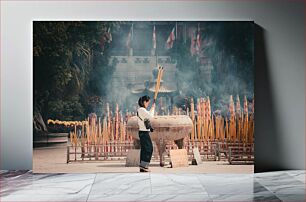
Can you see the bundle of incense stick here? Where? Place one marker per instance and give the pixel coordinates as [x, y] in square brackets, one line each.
[159, 76]
[66, 123]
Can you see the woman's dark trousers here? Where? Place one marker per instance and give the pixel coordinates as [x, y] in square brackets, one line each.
[146, 148]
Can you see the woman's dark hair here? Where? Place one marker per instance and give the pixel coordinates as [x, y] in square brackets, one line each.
[143, 99]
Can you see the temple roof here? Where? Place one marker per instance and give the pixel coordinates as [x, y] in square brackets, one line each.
[151, 88]
[162, 89]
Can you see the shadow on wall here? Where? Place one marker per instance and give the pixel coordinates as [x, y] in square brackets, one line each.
[268, 151]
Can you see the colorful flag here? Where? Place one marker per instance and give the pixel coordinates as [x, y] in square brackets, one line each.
[110, 37]
[198, 44]
[129, 38]
[106, 37]
[193, 43]
[154, 38]
[170, 39]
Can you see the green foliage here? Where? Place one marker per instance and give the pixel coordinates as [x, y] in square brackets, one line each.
[70, 109]
[67, 60]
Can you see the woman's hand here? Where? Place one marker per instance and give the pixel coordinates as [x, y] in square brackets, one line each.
[153, 105]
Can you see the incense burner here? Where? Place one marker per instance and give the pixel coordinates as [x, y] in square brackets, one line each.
[166, 128]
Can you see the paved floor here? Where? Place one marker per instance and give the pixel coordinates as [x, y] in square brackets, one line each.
[270, 186]
[53, 160]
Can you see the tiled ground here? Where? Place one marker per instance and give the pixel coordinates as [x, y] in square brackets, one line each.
[270, 186]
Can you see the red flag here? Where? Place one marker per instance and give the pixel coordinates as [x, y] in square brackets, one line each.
[154, 38]
[106, 37]
[170, 39]
[192, 44]
[198, 44]
[129, 38]
[102, 42]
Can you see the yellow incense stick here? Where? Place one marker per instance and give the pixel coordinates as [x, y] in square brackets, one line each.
[160, 71]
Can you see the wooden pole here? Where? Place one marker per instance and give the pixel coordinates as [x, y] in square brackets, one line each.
[199, 120]
[193, 119]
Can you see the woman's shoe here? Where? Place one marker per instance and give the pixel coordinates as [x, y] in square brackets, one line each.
[142, 169]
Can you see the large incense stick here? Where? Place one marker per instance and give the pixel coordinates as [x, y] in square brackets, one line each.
[159, 76]
[156, 85]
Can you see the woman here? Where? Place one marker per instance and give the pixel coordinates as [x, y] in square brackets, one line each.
[146, 149]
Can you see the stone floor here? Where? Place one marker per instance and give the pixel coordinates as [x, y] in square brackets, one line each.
[269, 186]
[54, 160]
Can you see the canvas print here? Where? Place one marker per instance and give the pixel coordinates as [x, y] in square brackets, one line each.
[143, 96]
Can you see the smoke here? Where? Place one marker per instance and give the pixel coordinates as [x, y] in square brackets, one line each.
[121, 95]
[223, 67]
